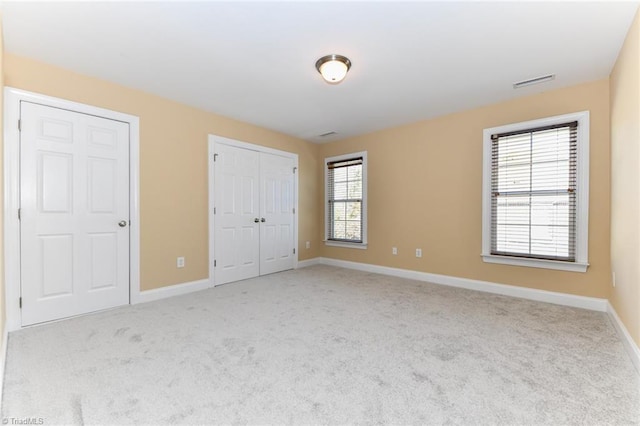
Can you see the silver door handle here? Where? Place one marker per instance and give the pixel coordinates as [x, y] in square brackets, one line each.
[263, 220]
[122, 223]
[256, 220]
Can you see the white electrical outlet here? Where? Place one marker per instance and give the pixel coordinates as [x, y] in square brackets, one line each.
[180, 262]
[418, 252]
[394, 250]
[308, 244]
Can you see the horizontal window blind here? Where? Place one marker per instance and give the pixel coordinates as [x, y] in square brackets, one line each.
[344, 181]
[533, 193]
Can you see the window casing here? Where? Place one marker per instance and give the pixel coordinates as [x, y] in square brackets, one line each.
[346, 200]
[536, 193]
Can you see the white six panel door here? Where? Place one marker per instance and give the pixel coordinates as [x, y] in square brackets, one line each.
[74, 174]
[236, 231]
[276, 207]
[254, 222]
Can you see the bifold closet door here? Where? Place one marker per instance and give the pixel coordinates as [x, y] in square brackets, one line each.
[254, 219]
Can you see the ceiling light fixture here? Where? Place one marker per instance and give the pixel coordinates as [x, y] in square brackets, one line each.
[333, 68]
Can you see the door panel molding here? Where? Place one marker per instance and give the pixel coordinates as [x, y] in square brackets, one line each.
[12, 100]
[213, 142]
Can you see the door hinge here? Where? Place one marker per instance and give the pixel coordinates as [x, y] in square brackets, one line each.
[19, 125]
[214, 210]
[294, 210]
[19, 214]
[20, 302]
[215, 263]
[294, 170]
[294, 251]
[215, 157]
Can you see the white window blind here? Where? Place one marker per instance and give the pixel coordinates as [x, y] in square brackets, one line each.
[533, 193]
[344, 197]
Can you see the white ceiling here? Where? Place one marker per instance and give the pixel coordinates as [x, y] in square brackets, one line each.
[254, 61]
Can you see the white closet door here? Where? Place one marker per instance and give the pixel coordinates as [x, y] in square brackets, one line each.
[254, 219]
[237, 225]
[276, 208]
[74, 201]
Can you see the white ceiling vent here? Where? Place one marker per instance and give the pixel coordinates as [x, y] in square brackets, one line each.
[532, 81]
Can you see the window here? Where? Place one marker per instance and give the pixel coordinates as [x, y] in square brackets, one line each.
[536, 193]
[346, 200]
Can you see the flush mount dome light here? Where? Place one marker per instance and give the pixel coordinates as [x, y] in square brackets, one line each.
[333, 68]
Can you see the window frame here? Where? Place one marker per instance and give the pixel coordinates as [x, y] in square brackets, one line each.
[347, 244]
[582, 199]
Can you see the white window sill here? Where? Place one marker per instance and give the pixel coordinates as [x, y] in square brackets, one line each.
[536, 263]
[361, 246]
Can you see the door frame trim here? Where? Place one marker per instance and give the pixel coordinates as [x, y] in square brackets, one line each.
[12, 99]
[213, 141]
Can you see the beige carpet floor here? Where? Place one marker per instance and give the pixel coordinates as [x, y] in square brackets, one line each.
[324, 345]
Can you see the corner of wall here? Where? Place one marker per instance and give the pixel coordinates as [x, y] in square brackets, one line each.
[624, 98]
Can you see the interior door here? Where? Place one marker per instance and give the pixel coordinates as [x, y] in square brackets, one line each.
[237, 223]
[74, 210]
[276, 209]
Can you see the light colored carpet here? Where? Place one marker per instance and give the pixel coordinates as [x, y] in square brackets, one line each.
[324, 345]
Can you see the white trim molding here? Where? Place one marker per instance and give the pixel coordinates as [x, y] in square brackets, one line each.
[309, 262]
[536, 263]
[582, 203]
[363, 210]
[12, 99]
[628, 342]
[590, 303]
[344, 244]
[173, 290]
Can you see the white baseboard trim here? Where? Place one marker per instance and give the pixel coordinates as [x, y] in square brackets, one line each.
[628, 342]
[309, 262]
[591, 303]
[3, 358]
[172, 290]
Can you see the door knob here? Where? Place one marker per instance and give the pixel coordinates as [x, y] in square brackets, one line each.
[256, 220]
[263, 220]
[122, 223]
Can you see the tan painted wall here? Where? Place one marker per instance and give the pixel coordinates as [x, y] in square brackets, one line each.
[625, 181]
[425, 190]
[173, 167]
[2, 311]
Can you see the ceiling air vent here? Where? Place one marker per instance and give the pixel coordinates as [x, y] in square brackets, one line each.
[533, 81]
[324, 135]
